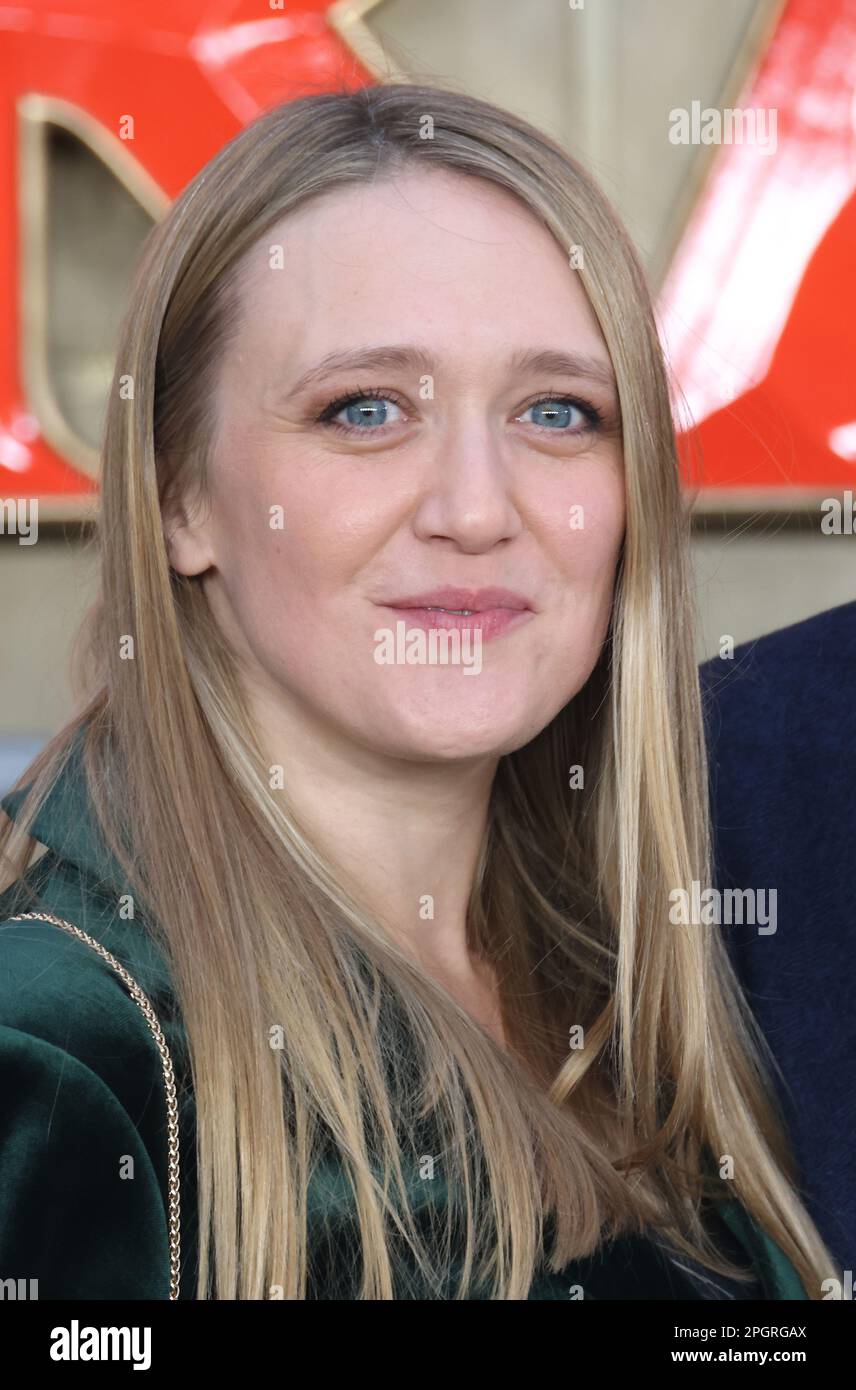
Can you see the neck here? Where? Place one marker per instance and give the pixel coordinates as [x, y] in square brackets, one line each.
[405, 834]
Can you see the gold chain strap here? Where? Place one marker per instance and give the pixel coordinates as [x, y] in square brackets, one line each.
[168, 1077]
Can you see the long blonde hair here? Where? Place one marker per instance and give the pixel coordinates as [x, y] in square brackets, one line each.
[571, 898]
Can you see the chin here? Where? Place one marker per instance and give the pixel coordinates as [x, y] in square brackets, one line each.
[453, 733]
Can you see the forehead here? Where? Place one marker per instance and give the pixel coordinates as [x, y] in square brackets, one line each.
[432, 251]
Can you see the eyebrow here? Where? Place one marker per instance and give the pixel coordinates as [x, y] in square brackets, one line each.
[545, 361]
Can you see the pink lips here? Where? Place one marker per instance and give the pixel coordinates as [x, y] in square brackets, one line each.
[491, 611]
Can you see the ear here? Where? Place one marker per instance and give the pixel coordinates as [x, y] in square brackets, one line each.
[187, 535]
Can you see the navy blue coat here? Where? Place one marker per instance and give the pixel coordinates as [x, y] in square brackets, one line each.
[781, 720]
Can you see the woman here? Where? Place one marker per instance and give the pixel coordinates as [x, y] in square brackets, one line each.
[376, 928]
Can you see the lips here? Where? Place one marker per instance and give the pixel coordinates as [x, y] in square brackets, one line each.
[472, 600]
[489, 611]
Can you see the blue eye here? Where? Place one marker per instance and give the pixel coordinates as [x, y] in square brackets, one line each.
[374, 413]
[362, 410]
[554, 413]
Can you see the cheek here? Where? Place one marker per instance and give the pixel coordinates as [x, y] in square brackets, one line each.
[284, 526]
[581, 530]
[292, 533]
[584, 526]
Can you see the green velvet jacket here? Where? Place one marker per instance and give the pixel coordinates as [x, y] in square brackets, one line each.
[97, 1150]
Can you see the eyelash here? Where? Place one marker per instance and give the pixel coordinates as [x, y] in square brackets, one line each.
[593, 415]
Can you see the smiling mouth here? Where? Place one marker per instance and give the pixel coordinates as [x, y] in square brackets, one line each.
[490, 612]
[467, 602]
[488, 622]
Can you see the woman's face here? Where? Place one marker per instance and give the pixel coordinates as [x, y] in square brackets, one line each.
[459, 466]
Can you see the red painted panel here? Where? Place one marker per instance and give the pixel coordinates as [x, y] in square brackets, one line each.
[758, 312]
[192, 73]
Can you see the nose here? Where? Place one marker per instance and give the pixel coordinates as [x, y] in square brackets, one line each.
[467, 497]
